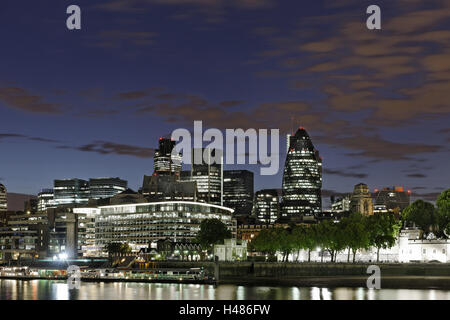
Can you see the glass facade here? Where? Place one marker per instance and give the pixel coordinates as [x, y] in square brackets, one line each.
[266, 207]
[140, 224]
[100, 188]
[71, 191]
[302, 179]
[208, 177]
[46, 199]
[238, 191]
[164, 162]
[3, 199]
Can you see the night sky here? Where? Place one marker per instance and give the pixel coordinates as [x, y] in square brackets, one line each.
[93, 102]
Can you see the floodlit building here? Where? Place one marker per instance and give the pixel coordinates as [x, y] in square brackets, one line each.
[302, 179]
[3, 199]
[168, 188]
[231, 250]
[144, 223]
[266, 206]
[238, 191]
[361, 200]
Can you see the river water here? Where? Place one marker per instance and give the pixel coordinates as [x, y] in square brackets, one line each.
[58, 290]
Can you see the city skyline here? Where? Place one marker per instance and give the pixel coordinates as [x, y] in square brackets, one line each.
[93, 102]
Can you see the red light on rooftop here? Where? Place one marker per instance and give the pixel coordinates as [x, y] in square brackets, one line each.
[376, 190]
[160, 138]
[409, 191]
[301, 128]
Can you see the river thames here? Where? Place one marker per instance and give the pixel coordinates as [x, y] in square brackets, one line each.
[58, 290]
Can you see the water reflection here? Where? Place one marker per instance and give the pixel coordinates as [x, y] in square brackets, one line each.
[58, 290]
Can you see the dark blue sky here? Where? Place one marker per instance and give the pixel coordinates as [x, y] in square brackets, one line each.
[93, 102]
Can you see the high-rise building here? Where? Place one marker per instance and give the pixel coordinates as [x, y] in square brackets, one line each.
[164, 188]
[238, 191]
[266, 208]
[302, 179]
[71, 191]
[208, 175]
[164, 162]
[361, 200]
[391, 199]
[46, 199]
[3, 199]
[100, 188]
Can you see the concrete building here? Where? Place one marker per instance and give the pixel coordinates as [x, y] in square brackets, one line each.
[391, 199]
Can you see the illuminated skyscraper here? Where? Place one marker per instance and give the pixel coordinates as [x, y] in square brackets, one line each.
[3, 199]
[164, 162]
[302, 179]
[266, 207]
[238, 191]
[208, 175]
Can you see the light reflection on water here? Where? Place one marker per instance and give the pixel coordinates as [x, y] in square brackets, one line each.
[58, 290]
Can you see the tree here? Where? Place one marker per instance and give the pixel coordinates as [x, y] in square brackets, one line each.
[264, 242]
[212, 231]
[355, 234]
[304, 238]
[422, 214]
[330, 237]
[114, 248]
[383, 229]
[443, 212]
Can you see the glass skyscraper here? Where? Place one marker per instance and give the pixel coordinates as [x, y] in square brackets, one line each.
[302, 179]
[164, 162]
[266, 207]
[208, 175]
[3, 199]
[238, 191]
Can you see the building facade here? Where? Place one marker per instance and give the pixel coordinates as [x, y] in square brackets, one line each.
[46, 199]
[165, 161]
[3, 199]
[302, 179]
[361, 200]
[106, 187]
[395, 198]
[208, 175]
[71, 191]
[238, 191]
[266, 208]
[141, 224]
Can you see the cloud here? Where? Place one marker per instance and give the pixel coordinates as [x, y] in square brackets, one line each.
[105, 147]
[342, 173]
[31, 138]
[113, 39]
[416, 175]
[22, 99]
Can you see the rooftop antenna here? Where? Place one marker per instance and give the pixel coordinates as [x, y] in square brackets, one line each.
[292, 125]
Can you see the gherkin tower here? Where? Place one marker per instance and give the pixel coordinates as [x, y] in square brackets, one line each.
[302, 179]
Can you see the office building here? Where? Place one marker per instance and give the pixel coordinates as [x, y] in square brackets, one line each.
[106, 187]
[302, 179]
[341, 204]
[71, 191]
[168, 188]
[395, 198]
[46, 199]
[266, 207]
[145, 223]
[165, 161]
[3, 199]
[361, 200]
[208, 175]
[238, 191]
